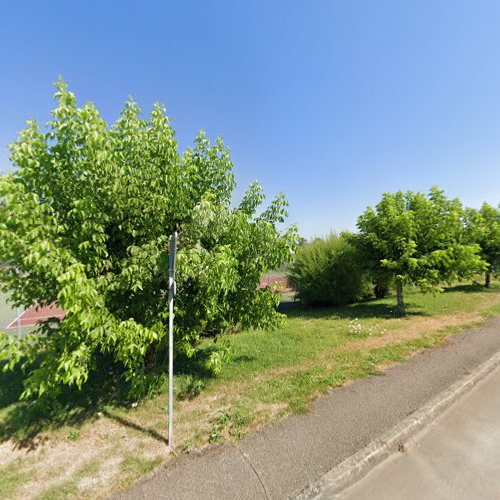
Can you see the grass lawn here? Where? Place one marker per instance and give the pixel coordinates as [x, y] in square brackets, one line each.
[96, 442]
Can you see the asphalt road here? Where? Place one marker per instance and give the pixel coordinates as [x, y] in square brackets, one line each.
[456, 457]
[281, 460]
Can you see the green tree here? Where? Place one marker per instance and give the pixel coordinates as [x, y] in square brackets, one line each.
[417, 239]
[483, 228]
[85, 222]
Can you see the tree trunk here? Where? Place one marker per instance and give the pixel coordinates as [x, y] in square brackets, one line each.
[487, 279]
[380, 290]
[150, 357]
[400, 309]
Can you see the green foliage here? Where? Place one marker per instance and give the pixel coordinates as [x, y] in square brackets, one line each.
[483, 228]
[417, 239]
[327, 272]
[73, 435]
[85, 221]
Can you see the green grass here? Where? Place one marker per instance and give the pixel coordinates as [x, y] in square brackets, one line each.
[310, 332]
[12, 475]
[271, 374]
[137, 466]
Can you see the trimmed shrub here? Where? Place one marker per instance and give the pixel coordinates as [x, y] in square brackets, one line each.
[329, 272]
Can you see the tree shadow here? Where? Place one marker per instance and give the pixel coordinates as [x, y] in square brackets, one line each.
[243, 358]
[286, 305]
[369, 309]
[196, 365]
[469, 288]
[24, 422]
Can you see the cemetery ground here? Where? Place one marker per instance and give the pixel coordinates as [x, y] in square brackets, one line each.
[97, 441]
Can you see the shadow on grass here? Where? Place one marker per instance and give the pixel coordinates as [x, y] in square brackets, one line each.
[243, 358]
[25, 422]
[132, 425]
[381, 309]
[471, 288]
[369, 309]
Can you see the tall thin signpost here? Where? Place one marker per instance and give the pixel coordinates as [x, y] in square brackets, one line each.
[18, 323]
[18, 316]
[171, 293]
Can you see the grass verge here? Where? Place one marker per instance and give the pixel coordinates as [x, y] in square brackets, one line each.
[98, 442]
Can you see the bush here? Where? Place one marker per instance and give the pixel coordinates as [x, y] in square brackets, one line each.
[85, 221]
[328, 272]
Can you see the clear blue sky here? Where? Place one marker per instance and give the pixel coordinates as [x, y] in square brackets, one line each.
[333, 102]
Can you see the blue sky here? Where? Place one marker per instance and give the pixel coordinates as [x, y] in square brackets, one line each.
[333, 102]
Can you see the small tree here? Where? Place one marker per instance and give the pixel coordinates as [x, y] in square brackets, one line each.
[85, 221]
[483, 228]
[417, 239]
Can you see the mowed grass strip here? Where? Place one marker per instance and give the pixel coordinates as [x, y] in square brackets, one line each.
[97, 444]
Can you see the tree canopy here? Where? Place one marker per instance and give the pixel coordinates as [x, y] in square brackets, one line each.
[85, 222]
[483, 228]
[418, 239]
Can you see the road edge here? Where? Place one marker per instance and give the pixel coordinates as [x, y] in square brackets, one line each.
[362, 462]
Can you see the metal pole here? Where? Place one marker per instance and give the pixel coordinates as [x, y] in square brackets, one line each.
[171, 293]
[18, 323]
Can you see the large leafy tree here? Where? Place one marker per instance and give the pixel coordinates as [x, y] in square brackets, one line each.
[483, 228]
[417, 239]
[85, 221]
